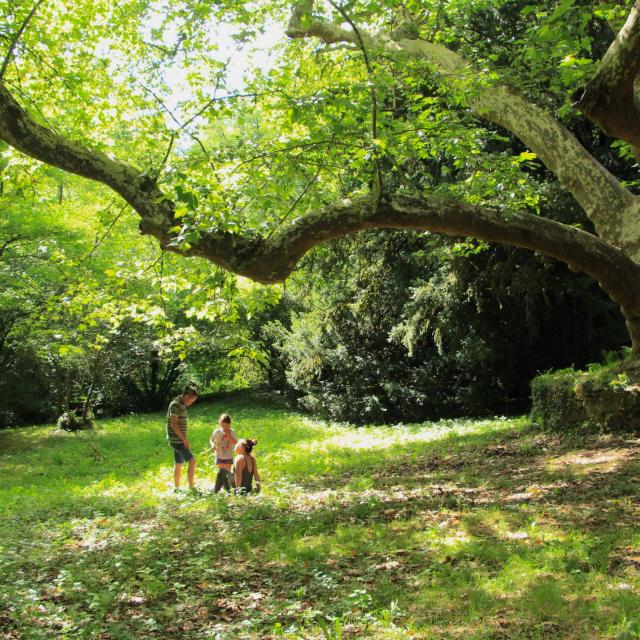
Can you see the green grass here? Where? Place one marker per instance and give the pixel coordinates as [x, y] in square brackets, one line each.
[456, 529]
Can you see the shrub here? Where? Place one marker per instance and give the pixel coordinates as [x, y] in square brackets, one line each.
[606, 397]
[409, 327]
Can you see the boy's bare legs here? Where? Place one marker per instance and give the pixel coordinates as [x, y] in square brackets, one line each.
[177, 473]
[191, 473]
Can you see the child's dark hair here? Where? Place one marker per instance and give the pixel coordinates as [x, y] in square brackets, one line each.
[225, 417]
[248, 444]
[189, 390]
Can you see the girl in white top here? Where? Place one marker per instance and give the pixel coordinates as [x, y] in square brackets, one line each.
[223, 441]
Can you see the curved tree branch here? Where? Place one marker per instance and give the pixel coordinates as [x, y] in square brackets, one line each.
[601, 195]
[21, 131]
[272, 259]
[609, 98]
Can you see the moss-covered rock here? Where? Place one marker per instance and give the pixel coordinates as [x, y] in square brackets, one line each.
[605, 397]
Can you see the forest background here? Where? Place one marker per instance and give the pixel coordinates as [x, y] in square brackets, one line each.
[376, 327]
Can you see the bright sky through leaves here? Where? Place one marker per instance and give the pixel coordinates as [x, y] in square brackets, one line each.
[227, 46]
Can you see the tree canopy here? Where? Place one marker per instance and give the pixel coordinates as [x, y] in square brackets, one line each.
[446, 117]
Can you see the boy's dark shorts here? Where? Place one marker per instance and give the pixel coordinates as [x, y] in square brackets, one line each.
[180, 453]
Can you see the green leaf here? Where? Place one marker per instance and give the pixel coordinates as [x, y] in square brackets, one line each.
[561, 10]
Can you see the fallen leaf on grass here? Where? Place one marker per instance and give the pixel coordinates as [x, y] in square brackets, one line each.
[388, 566]
[127, 598]
[517, 535]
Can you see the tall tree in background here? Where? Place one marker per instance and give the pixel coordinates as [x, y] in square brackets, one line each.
[383, 72]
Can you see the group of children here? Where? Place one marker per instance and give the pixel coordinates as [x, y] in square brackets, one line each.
[233, 474]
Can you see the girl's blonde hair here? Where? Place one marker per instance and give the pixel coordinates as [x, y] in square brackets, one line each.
[224, 417]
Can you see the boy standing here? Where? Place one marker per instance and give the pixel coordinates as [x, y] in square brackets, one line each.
[223, 441]
[177, 422]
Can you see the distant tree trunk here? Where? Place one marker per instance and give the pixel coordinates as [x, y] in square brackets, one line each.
[154, 388]
[62, 393]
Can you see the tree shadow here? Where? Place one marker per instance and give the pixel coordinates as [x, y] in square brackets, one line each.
[493, 535]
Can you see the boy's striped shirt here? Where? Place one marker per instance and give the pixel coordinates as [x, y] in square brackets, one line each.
[177, 408]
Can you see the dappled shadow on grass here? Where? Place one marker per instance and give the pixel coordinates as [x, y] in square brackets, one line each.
[458, 571]
[490, 560]
[481, 535]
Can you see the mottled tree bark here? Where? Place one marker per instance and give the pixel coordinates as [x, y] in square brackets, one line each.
[614, 211]
[609, 99]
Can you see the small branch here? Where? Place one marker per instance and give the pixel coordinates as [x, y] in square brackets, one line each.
[378, 182]
[19, 90]
[215, 92]
[17, 37]
[45, 64]
[168, 151]
[221, 99]
[301, 160]
[100, 240]
[169, 53]
[160, 101]
[298, 199]
[182, 127]
[7, 243]
[302, 145]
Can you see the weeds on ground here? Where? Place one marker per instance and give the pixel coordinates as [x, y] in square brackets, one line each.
[456, 529]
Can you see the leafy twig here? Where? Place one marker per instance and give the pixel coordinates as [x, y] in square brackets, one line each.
[182, 127]
[17, 36]
[100, 240]
[302, 145]
[379, 186]
[5, 245]
[298, 199]
[18, 88]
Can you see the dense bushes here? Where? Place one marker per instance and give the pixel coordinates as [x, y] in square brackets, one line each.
[136, 370]
[407, 326]
[27, 389]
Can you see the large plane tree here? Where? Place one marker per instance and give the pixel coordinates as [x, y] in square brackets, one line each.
[341, 128]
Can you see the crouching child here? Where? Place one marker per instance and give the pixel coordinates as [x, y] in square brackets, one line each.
[245, 467]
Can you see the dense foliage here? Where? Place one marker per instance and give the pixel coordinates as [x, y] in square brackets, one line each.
[398, 326]
[405, 326]
[91, 313]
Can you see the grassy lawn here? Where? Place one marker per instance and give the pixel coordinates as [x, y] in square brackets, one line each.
[457, 529]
